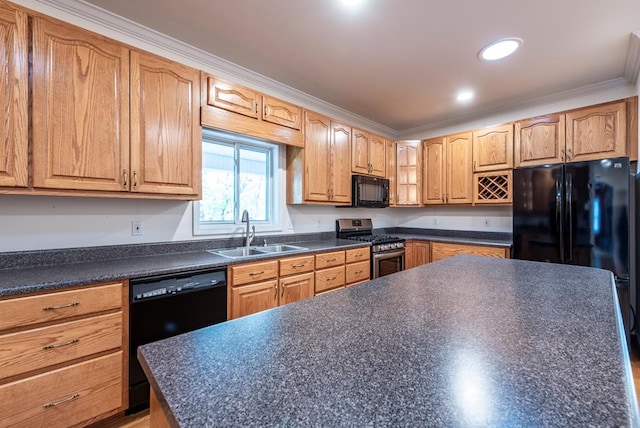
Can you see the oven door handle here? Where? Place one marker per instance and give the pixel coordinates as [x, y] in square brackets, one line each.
[388, 254]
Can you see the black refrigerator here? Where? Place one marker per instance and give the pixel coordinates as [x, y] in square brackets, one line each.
[581, 214]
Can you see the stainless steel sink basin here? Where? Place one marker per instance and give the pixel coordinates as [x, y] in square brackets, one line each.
[234, 253]
[238, 252]
[280, 248]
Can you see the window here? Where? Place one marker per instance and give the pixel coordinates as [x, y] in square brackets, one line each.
[238, 173]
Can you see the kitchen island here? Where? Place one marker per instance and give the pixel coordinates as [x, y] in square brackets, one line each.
[466, 341]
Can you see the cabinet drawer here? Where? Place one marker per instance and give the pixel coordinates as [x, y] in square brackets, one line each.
[357, 272]
[329, 278]
[440, 250]
[295, 265]
[25, 311]
[254, 272]
[29, 350]
[329, 259]
[358, 254]
[66, 396]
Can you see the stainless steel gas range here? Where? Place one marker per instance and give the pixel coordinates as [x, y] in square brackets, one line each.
[387, 252]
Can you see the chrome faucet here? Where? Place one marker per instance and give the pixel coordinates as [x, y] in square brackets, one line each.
[248, 237]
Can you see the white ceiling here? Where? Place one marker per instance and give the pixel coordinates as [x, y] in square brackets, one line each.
[400, 63]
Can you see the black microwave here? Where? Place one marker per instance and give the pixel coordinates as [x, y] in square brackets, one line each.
[369, 192]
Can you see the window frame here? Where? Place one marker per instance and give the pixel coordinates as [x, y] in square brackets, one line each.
[275, 186]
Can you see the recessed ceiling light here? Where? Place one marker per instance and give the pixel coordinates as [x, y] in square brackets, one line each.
[465, 95]
[352, 3]
[500, 49]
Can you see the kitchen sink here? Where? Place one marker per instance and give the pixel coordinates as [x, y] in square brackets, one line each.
[280, 248]
[238, 252]
[256, 251]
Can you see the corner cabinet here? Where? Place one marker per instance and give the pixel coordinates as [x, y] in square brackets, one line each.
[408, 173]
[391, 171]
[107, 119]
[320, 172]
[14, 39]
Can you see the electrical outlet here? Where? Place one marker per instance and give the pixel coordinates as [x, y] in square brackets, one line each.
[487, 222]
[136, 228]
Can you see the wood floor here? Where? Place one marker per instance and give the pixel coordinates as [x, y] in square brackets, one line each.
[141, 420]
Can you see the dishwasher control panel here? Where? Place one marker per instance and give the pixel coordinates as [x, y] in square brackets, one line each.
[166, 285]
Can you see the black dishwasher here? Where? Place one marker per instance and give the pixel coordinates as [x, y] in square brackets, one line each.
[167, 305]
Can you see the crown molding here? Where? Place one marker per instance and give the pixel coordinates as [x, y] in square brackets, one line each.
[632, 64]
[114, 26]
[602, 88]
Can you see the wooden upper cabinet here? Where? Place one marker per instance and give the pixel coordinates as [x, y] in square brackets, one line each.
[540, 140]
[281, 112]
[317, 155]
[434, 179]
[391, 171]
[493, 148]
[232, 97]
[597, 132]
[165, 126]
[367, 153]
[80, 109]
[239, 109]
[377, 149]
[409, 172]
[340, 163]
[459, 172]
[360, 151]
[14, 97]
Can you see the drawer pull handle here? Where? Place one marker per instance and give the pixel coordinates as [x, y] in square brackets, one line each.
[358, 272]
[256, 273]
[298, 265]
[68, 305]
[331, 279]
[65, 400]
[359, 255]
[331, 260]
[60, 345]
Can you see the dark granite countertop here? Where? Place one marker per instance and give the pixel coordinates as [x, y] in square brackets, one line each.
[16, 281]
[47, 270]
[466, 341]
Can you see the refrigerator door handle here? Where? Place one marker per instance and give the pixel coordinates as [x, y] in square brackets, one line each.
[569, 191]
[559, 219]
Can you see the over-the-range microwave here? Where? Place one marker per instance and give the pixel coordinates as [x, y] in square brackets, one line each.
[369, 192]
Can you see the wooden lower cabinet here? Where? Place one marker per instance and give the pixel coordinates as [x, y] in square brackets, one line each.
[252, 298]
[330, 279]
[296, 287]
[416, 253]
[358, 265]
[442, 250]
[62, 356]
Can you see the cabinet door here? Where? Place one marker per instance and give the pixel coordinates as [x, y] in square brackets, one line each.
[597, 132]
[409, 172]
[377, 161]
[421, 254]
[80, 109]
[435, 178]
[391, 171]
[409, 255]
[166, 138]
[442, 250]
[281, 112]
[231, 97]
[317, 154]
[459, 173]
[360, 151]
[340, 163]
[296, 288]
[493, 148]
[13, 97]
[249, 299]
[540, 140]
